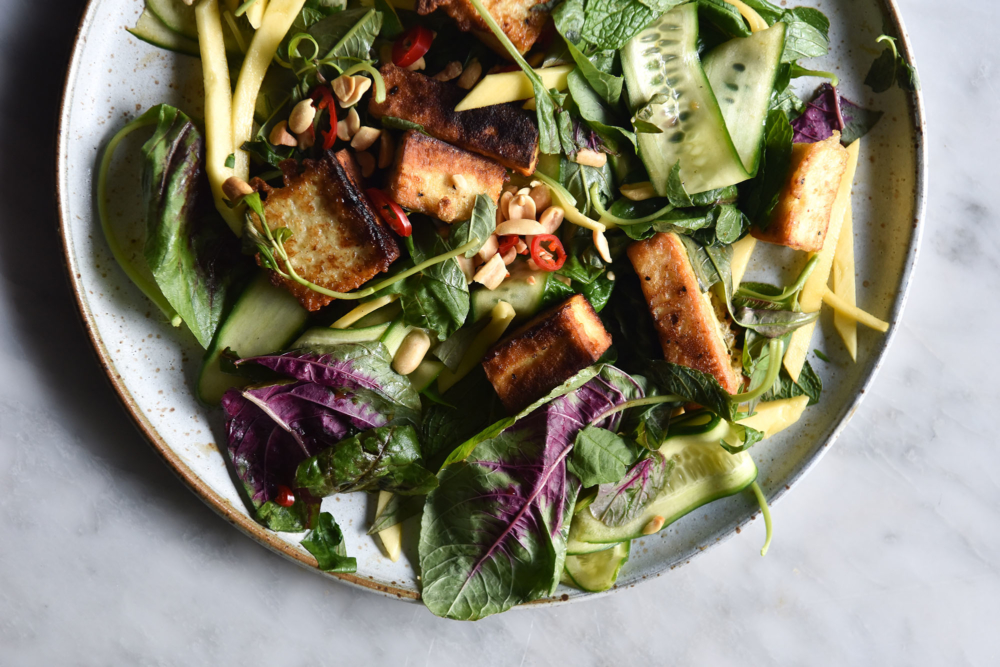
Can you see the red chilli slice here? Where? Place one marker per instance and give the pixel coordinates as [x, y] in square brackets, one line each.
[507, 242]
[284, 496]
[547, 252]
[390, 211]
[411, 46]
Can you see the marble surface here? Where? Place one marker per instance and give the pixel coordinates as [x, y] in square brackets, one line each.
[886, 554]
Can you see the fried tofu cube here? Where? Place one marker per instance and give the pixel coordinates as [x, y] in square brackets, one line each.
[546, 352]
[802, 216]
[685, 319]
[503, 132]
[438, 179]
[521, 20]
[337, 242]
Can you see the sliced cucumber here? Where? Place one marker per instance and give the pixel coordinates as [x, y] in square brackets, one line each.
[328, 336]
[265, 319]
[702, 472]
[663, 60]
[575, 547]
[426, 373]
[152, 31]
[742, 73]
[394, 335]
[179, 17]
[597, 571]
[523, 290]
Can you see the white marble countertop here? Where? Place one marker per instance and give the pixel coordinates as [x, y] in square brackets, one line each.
[887, 553]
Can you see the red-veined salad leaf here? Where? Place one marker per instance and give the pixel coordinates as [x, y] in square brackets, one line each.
[617, 504]
[494, 531]
[830, 111]
[189, 250]
[333, 393]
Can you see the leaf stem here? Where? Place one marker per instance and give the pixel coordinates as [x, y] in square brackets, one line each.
[788, 291]
[635, 403]
[277, 249]
[606, 217]
[564, 199]
[773, 368]
[766, 511]
[148, 287]
[376, 77]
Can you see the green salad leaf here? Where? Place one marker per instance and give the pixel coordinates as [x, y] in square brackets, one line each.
[891, 67]
[480, 226]
[601, 456]
[326, 543]
[189, 250]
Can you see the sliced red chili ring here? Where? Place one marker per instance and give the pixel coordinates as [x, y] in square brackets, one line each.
[322, 96]
[411, 46]
[323, 99]
[284, 496]
[390, 211]
[547, 252]
[506, 242]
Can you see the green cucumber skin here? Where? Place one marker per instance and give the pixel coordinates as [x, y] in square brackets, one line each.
[179, 18]
[265, 319]
[328, 336]
[425, 375]
[587, 528]
[610, 560]
[152, 31]
[742, 73]
[663, 58]
[394, 335]
[525, 299]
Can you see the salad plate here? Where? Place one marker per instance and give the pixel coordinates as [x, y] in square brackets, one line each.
[113, 77]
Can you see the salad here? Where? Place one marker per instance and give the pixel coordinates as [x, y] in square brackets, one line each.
[486, 259]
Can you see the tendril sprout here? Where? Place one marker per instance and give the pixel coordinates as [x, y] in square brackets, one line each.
[766, 512]
[607, 217]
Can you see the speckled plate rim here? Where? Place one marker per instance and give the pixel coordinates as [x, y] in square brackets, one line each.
[265, 537]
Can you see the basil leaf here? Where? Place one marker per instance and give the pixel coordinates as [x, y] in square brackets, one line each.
[693, 385]
[760, 195]
[809, 384]
[724, 16]
[607, 86]
[326, 543]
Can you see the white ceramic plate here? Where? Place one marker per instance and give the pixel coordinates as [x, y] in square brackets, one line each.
[113, 77]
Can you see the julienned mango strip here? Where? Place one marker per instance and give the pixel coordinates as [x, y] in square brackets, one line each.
[811, 297]
[849, 310]
[218, 107]
[277, 20]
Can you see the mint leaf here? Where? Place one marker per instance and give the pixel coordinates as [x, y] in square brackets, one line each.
[601, 456]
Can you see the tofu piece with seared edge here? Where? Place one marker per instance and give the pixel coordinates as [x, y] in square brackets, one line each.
[802, 215]
[438, 179]
[685, 320]
[337, 242]
[546, 352]
[503, 132]
[521, 20]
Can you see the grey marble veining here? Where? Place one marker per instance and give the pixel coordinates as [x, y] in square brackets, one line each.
[887, 553]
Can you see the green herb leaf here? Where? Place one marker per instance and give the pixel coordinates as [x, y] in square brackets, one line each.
[193, 257]
[392, 27]
[380, 459]
[760, 195]
[480, 226]
[231, 161]
[607, 86]
[810, 384]
[693, 385]
[724, 16]
[346, 38]
[890, 68]
[326, 543]
[601, 456]
[617, 504]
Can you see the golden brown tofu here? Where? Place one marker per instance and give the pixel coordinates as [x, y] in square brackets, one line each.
[518, 19]
[802, 216]
[685, 320]
[546, 352]
[337, 240]
[503, 132]
[422, 178]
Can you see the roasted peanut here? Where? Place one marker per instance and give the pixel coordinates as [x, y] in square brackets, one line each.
[590, 158]
[521, 207]
[451, 70]
[235, 187]
[411, 352]
[552, 218]
[385, 150]
[543, 198]
[280, 135]
[302, 116]
[364, 138]
[470, 75]
[367, 163]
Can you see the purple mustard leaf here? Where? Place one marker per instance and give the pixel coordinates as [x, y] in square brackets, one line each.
[830, 111]
[494, 531]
